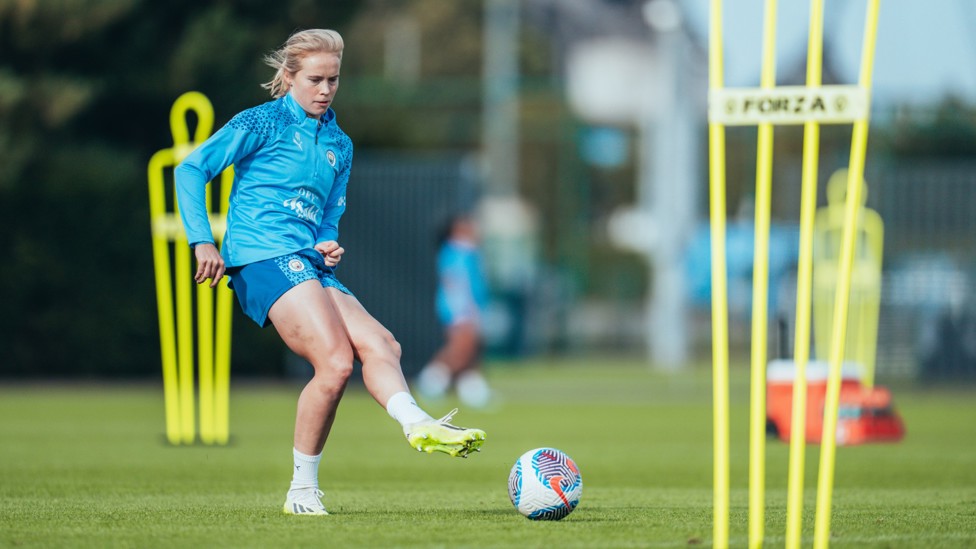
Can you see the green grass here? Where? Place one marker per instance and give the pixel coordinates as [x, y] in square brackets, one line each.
[87, 466]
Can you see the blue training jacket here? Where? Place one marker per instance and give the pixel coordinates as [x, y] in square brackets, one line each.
[290, 178]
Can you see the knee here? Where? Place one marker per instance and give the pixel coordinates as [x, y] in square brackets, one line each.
[334, 369]
[382, 346]
[394, 346]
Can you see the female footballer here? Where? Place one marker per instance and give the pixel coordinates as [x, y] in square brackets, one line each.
[292, 164]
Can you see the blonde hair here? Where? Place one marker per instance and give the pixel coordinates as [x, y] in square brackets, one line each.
[288, 58]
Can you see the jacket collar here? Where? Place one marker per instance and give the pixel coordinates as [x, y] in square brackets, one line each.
[300, 113]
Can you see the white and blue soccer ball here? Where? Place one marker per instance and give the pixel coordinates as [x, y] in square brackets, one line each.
[545, 484]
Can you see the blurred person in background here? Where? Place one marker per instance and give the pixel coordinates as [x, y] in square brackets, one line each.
[461, 299]
[292, 164]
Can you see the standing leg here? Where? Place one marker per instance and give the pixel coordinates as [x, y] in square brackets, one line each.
[309, 323]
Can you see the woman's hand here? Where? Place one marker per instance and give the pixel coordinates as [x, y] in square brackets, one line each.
[331, 252]
[209, 264]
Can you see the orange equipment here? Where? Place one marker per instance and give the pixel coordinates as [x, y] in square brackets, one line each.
[865, 414]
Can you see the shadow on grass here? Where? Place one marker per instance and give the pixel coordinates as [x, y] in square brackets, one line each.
[600, 516]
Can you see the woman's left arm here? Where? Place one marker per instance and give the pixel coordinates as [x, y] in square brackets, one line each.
[335, 205]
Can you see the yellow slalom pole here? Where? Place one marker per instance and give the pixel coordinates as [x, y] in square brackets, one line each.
[223, 331]
[205, 361]
[760, 295]
[183, 265]
[164, 291]
[828, 447]
[720, 306]
[205, 355]
[185, 364]
[184, 314]
[222, 364]
[804, 289]
[184, 336]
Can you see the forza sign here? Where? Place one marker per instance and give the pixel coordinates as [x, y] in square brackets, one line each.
[787, 105]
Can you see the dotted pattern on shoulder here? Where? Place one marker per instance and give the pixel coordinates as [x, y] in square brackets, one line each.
[267, 120]
[343, 142]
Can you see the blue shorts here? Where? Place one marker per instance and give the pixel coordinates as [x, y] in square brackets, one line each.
[258, 285]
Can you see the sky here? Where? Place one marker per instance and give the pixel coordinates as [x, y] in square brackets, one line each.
[926, 49]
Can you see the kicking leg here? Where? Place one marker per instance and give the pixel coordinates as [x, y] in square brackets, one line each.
[379, 353]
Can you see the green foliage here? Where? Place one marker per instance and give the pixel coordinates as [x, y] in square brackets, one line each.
[85, 92]
[86, 88]
[947, 132]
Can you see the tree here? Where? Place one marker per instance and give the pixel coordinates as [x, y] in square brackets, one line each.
[85, 93]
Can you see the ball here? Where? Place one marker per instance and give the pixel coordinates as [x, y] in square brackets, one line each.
[545, 484]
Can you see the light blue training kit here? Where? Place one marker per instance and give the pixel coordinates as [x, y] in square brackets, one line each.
[290, 178]
[258, 285]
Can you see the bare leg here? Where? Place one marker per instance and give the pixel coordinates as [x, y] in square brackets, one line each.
[309, 322]
[379, 352]
[375, 346]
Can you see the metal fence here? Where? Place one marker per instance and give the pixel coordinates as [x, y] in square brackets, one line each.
[927, 322]
[929, 210]
[927, 205]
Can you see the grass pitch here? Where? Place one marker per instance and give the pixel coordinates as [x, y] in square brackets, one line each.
[87, 466]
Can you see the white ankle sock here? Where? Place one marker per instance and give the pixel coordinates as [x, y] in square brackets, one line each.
[403, 408]
[306, 470]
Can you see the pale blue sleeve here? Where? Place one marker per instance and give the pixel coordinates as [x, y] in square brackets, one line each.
[213, 156]
[335, 206]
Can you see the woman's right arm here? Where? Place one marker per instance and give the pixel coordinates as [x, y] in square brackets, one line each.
[201, 166]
